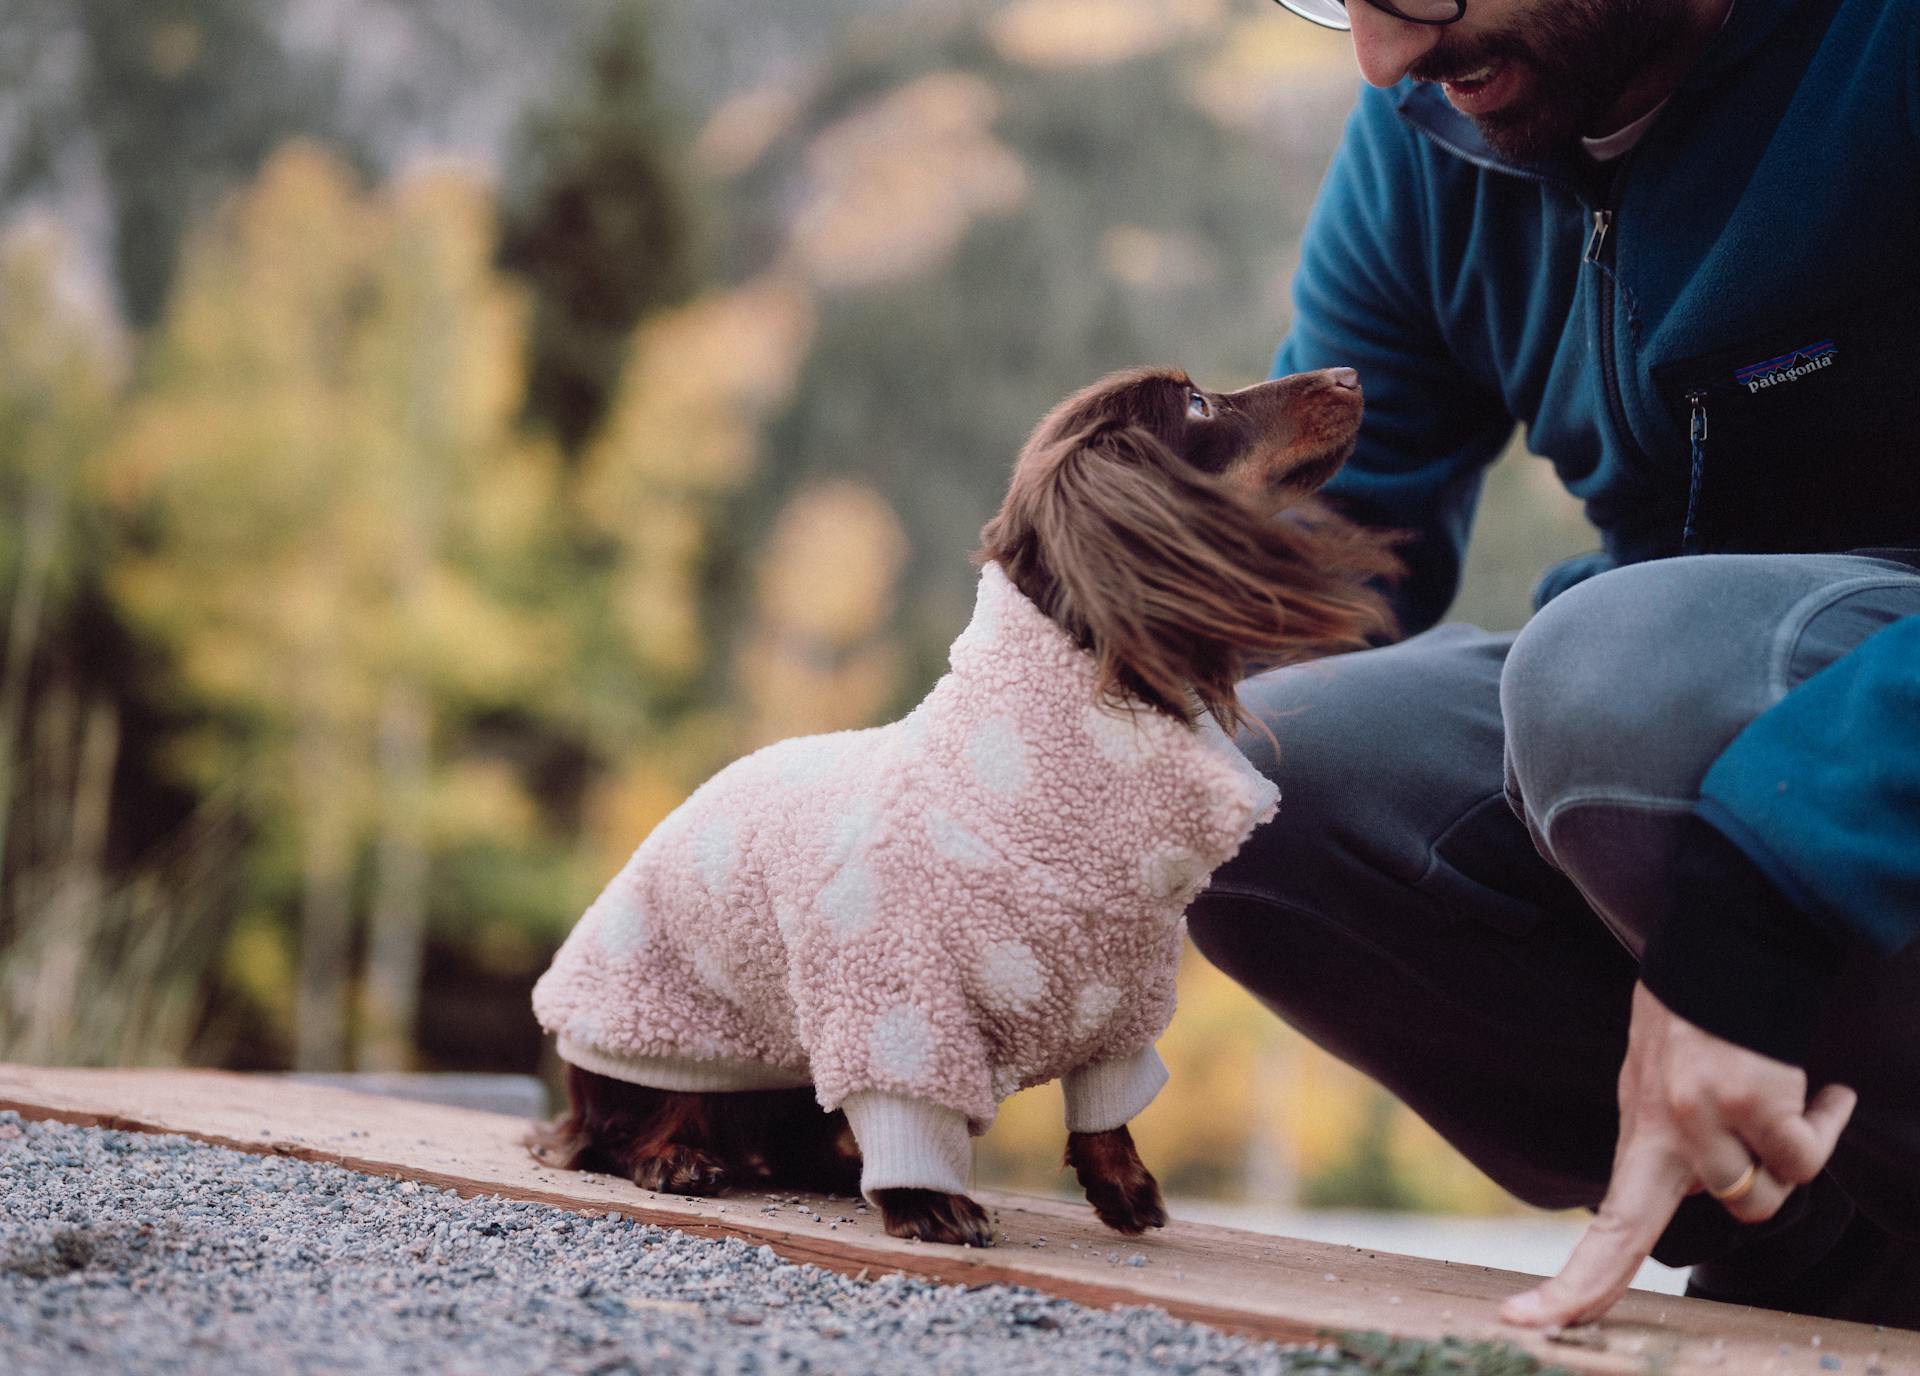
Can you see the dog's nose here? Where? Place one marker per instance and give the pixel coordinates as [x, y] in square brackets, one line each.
[1344, 377]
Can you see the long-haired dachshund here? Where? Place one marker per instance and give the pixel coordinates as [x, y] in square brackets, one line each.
[1167, 532]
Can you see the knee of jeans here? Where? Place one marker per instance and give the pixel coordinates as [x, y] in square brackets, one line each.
[1608, 693]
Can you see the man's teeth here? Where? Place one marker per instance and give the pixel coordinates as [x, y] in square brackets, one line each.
[1474, 78]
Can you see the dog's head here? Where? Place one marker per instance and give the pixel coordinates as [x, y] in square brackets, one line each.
[1168, 530]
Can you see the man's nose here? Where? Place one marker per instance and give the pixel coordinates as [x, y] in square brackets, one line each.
[1385, 46]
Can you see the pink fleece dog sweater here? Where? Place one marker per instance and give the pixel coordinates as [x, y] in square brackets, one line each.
[918, 919]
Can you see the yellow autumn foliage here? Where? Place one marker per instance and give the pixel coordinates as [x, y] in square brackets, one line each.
[815, 660]
[324, 455]
[627, 805]
[743, 127]
[478, 800]
[1095, 33]
[684, 431]
[1260, 68]
[894, 186]
[62, 357]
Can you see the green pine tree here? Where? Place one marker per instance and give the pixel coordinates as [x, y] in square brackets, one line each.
[596, 219]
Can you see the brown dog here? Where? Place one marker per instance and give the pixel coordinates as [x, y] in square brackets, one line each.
[1144, 519]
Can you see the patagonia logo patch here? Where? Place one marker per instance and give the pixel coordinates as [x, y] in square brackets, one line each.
[1777, 372]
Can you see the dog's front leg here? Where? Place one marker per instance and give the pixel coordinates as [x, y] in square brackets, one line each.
[1118, 1184]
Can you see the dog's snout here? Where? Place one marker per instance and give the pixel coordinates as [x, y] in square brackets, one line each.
[1345, 378]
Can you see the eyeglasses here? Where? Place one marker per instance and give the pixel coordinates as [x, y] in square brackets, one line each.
[1332, 14]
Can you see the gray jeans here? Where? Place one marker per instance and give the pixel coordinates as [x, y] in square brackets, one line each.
[1474, 838]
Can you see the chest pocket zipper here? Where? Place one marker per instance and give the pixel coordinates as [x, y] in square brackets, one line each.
[1697, 466]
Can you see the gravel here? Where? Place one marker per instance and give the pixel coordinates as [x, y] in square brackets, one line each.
[147, 1253]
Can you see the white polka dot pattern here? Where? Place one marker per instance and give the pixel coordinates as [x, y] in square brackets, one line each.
[1092, 1007]
[997, 755]
[851, 829]
[1123, 741]
[715, 849]
[806, 760]
[588, 1027]
[900, 1045]
[955, 842]
[620, 926]
[710, 963]
[1170, 872]
[982, 896]
[1011, 977]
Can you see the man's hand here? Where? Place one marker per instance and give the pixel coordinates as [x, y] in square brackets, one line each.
[1695, 1112]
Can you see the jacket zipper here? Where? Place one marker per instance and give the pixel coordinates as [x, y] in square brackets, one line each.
[1697, 465]
[1597, 240]
[1600, 253]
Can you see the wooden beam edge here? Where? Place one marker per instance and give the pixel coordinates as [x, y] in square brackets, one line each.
[849, 1254]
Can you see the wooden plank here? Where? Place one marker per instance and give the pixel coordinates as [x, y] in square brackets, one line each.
[1244, 1282]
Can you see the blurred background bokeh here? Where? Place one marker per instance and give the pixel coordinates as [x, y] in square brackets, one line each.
[436, 434]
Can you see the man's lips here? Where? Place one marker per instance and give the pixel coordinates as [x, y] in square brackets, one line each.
[1482, 89]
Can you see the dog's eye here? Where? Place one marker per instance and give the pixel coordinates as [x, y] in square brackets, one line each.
[1198, 407]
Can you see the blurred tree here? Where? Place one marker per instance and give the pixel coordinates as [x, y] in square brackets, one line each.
[596, 219]
[818, 657]
[176, 100]
[324, 498]
[652, 692]
[442, 372]
[1365, 1176]
[60, 363]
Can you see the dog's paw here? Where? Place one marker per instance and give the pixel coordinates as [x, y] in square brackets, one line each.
[675, 1169]
[935, 1216]
[1121, 1189]
[1129, 1206]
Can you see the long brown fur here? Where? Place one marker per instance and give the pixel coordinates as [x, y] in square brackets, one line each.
[1161, 569]
[1181, 553]
[698, 1144]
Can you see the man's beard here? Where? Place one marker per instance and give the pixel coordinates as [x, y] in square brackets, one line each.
[1580, 57]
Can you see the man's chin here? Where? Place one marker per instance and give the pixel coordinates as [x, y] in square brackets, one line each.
[1540, 116]
[1521, 133]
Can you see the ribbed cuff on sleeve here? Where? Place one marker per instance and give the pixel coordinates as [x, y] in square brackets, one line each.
[1734, 956]
[1107, 1094]
[909, 1143]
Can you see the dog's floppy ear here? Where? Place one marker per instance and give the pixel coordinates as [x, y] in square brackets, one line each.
[1173, 583]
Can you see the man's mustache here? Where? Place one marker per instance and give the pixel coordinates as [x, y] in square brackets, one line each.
[1445, 64]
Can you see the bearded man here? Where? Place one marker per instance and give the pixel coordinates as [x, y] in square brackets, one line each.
[1624, 905]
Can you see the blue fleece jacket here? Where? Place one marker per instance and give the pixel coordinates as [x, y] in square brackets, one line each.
[1713, 341]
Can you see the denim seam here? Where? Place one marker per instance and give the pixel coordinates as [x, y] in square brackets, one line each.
[1793, 626]
[1622, 930]
[1649, 801]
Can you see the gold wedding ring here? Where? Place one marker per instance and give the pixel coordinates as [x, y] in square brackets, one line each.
[1740, 1188]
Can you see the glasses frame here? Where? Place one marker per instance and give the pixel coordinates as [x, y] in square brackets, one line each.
[1384, 6]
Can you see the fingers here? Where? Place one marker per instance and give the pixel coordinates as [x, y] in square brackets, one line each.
[1829, 1113]
[1796, 1146]
[1648, 1184]
[1756, 1200]
[1790, 1146]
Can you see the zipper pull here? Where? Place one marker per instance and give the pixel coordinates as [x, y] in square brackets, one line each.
[1597, 240]
[1697, 472]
